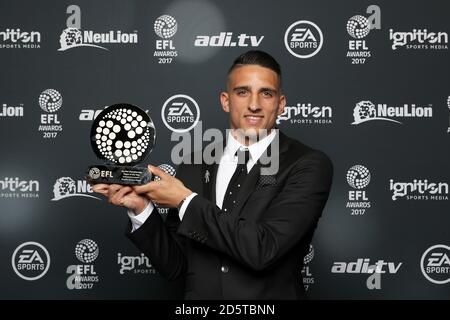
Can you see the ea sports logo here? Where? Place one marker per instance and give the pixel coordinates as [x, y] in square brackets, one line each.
[435, 264]
[303, 39]
[358, 27]
[165, 26]
[358, 177]
[180, 113]
[30, 260]
[50, 100]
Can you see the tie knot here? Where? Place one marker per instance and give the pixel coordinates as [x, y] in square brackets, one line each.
[243, 155]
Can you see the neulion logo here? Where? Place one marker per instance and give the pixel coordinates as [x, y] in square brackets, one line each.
[367, 111]
[426, 190]
[67, 187]
[73, 37]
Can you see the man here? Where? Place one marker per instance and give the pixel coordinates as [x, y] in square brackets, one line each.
[234, 232]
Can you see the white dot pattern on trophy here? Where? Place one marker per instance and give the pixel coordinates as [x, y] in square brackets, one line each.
[50, 100]
[122, 135]
[86, 251]
[358, 26]
[358, 177]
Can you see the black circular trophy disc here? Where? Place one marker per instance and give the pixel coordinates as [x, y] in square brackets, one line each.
[123, 135]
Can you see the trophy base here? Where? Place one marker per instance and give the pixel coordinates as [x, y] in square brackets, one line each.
[112, 174]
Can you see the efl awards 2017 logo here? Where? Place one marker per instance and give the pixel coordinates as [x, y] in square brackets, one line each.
[308, 277]
[83, 276]
[358, 27]
[303, 39]
[73, 36]
[50, 101]
[165, 27]
[358, 177]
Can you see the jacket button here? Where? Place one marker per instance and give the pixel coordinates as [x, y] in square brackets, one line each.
[224, 269]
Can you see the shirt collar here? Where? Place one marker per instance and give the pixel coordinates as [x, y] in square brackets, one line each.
[256, 149]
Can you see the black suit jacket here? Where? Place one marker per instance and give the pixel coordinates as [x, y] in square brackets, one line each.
[253, 252]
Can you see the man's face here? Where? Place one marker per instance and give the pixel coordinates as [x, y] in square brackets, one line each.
[253, 98]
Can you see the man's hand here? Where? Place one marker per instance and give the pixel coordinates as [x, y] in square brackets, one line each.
[123, 196]
[167, 192]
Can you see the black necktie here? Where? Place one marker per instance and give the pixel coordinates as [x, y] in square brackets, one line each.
[236, 181]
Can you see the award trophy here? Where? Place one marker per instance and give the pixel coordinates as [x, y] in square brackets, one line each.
[122, 135]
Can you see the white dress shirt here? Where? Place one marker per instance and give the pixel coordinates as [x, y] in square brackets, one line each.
[227, 166]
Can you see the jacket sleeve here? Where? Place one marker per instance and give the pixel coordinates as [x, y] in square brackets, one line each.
[159, 241]
[292, 215]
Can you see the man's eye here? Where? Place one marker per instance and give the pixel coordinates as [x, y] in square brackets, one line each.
[267, 94]
[242, 92]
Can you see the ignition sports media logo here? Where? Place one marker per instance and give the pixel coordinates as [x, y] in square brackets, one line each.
[418, 189]
[180, 113]
[165, 27]
[365, 111]
[50, 101]
[358, 177]
[30, 261]
[306, 113]
[419, 39]
[359, 27]
[83, 276]
[308, 278]
[135, 264]
[303, 39]
[364, 266]
[435, 264]
[17, 188]
[66, 187]
[15, 38]
[73, 36]
[7, 111]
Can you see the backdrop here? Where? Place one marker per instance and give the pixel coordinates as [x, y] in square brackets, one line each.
[366, 82]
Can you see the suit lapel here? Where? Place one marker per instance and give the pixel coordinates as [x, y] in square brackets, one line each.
[209, 174]
[253, 176]
[209, 181]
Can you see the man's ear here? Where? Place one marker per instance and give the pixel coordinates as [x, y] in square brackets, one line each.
[225, 101]
[281, 104]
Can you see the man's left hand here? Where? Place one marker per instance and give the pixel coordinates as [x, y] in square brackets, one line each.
[167, 192]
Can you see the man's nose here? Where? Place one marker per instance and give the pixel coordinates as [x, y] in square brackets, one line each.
[254, 103]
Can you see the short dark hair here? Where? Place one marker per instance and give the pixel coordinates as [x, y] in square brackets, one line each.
[259, 58]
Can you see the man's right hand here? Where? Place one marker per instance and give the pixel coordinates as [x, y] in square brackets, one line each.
[123, 196]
